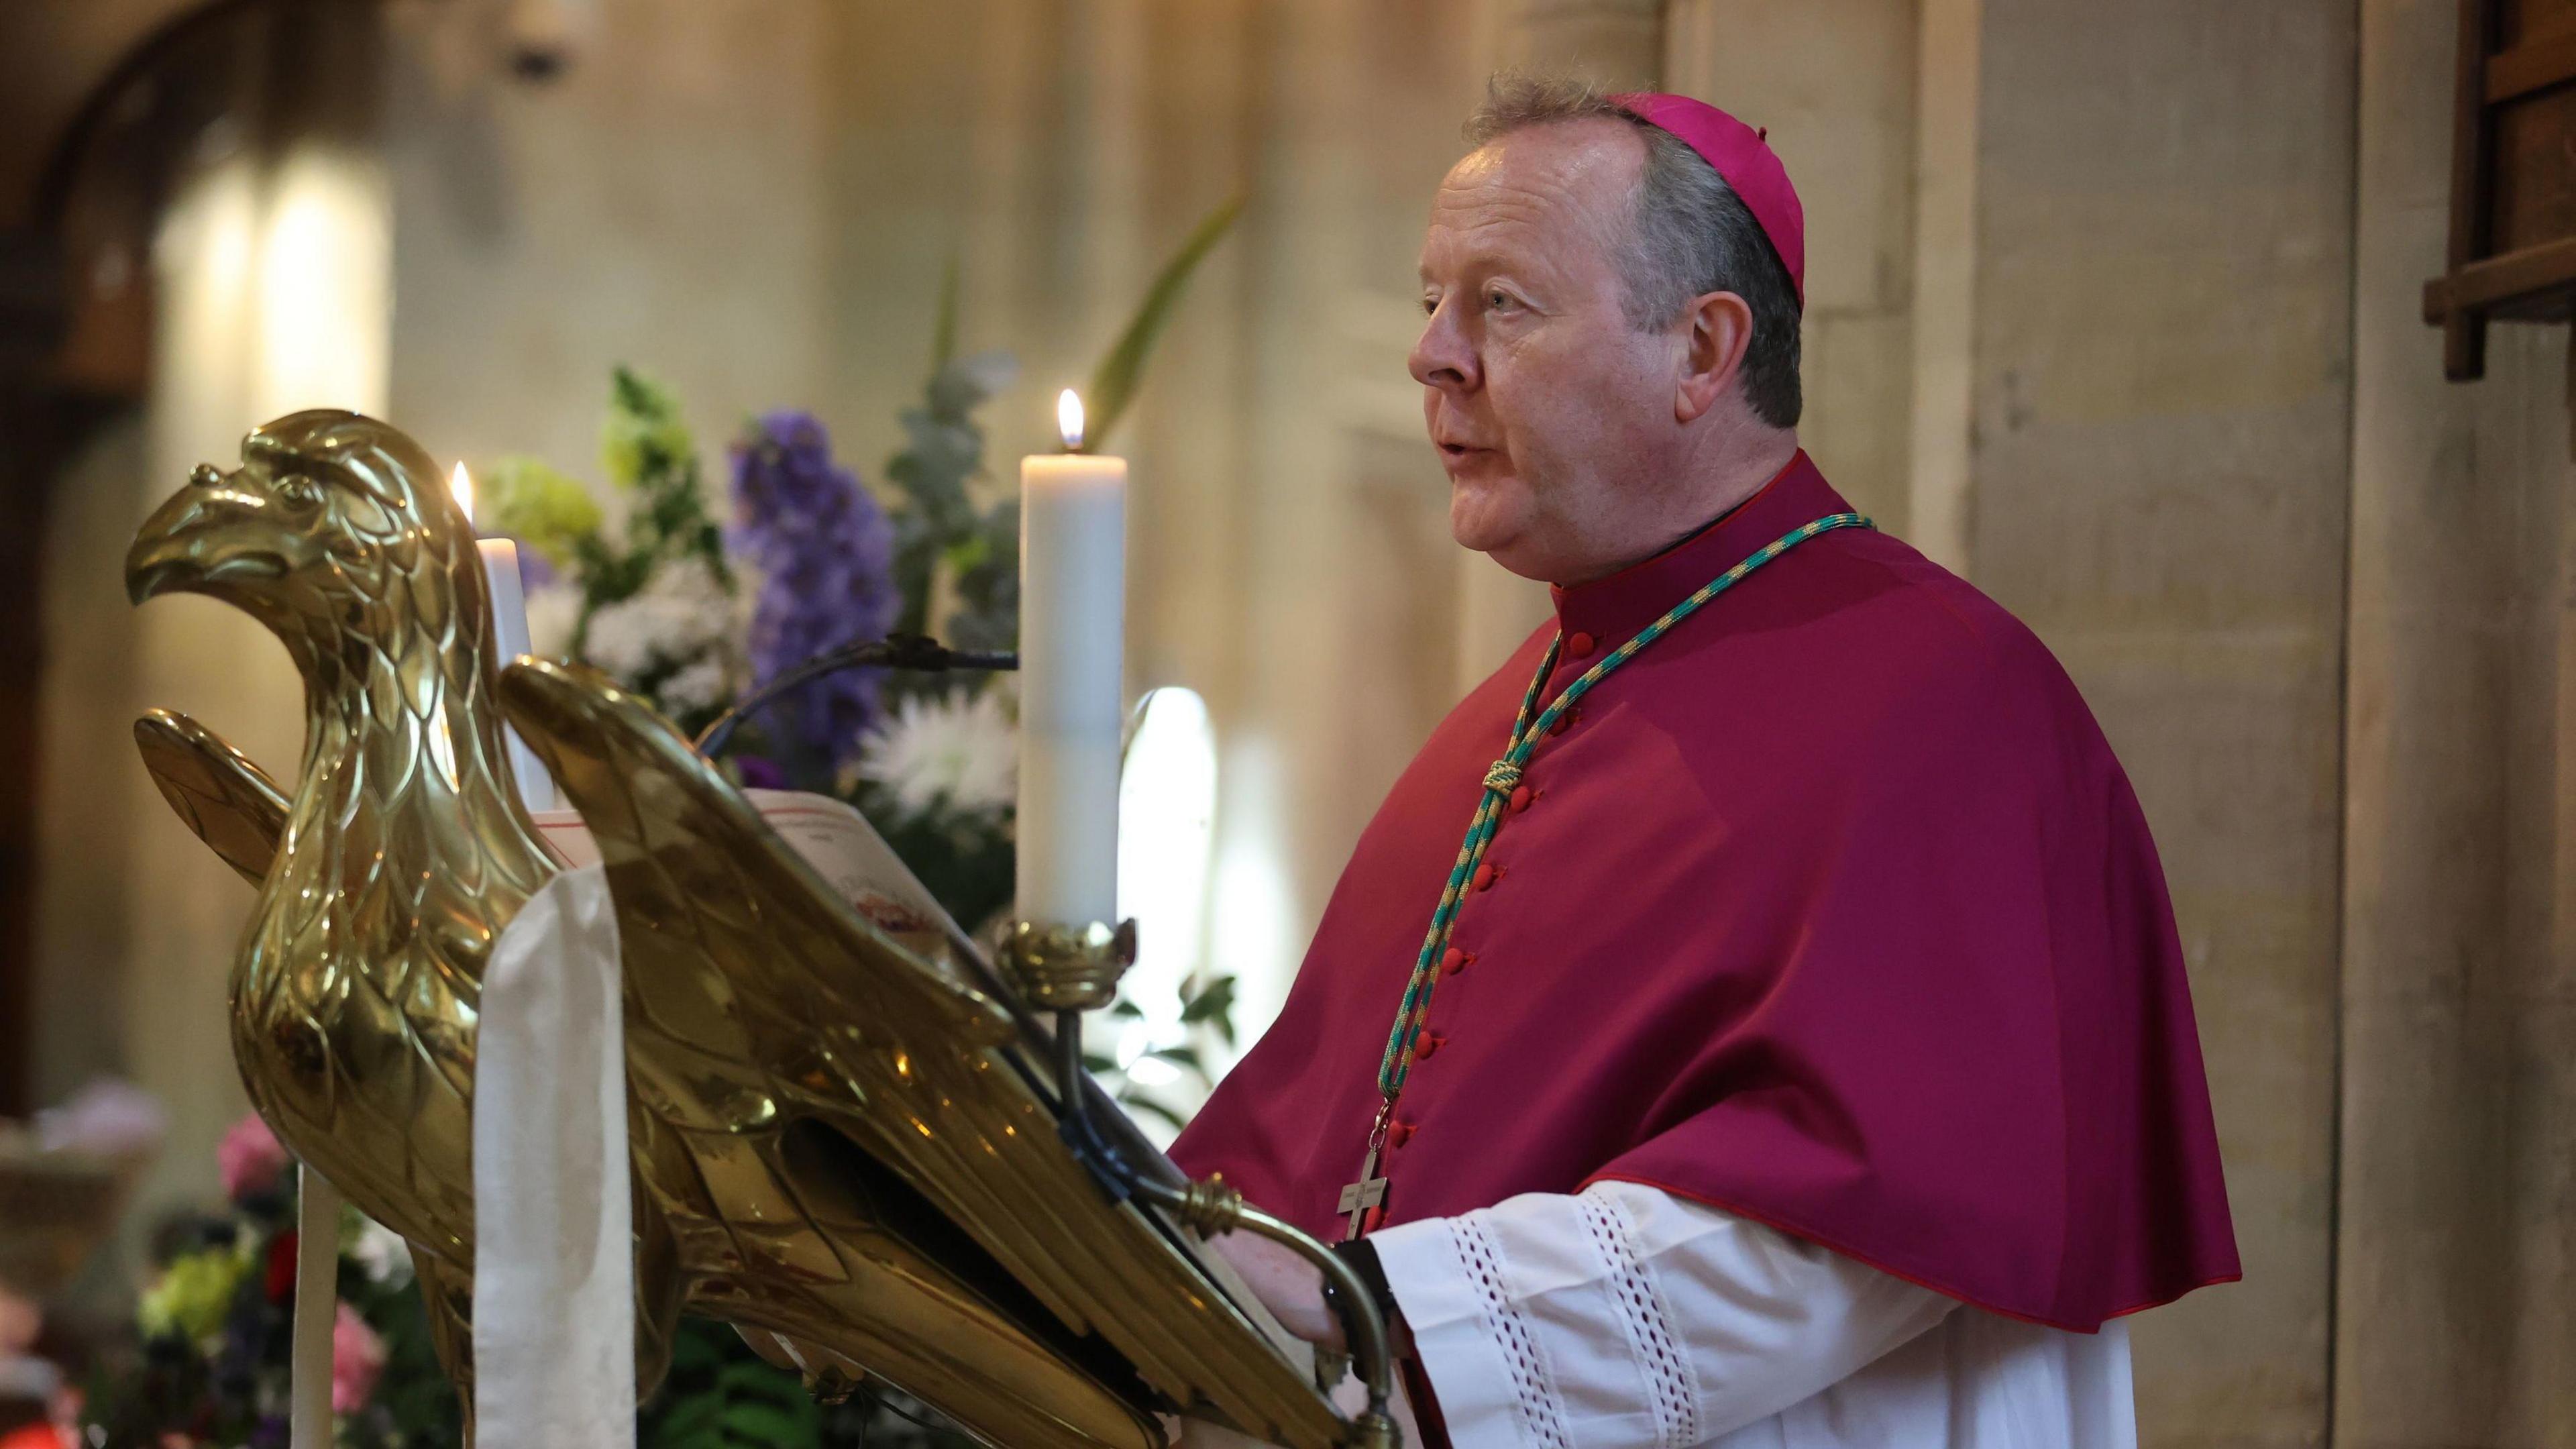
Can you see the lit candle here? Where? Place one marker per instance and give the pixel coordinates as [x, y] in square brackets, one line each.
[509, 636]
[1073, 620]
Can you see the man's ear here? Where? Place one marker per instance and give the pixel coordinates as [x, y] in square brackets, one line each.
[1717, 329]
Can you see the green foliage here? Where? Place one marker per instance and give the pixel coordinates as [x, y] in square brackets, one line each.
[1210, 1004]
[649, 452]
[945, 542]
[1115, 379]
[544, 507]
[721, 1395]
[943, 330]
[194, 1293]
[653, 460]
[644, 439]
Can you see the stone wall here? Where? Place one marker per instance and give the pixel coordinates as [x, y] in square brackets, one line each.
[1833, 82]
[272, 278]
[2456, 1241]
[2159, 486]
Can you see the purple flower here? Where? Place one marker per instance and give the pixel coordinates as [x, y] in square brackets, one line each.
[826, 555]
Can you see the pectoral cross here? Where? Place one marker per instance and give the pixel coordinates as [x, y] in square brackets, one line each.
[1359, 1197]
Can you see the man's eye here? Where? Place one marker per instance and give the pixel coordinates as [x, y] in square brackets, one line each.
[1430, 305]
[1499, 300]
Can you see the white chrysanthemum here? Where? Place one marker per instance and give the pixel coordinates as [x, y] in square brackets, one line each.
[380, 1251]
[963, 750]
[699, 684]
[679, 614]
[554, 614]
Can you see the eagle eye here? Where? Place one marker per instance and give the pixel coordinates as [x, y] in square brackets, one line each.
[299, 492]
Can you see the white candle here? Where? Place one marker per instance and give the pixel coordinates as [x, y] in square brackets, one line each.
[509, 637]
[1073, 621]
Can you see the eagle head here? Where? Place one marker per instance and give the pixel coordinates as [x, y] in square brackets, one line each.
[330, 512]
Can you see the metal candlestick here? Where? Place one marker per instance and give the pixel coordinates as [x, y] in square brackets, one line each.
[1068, 970]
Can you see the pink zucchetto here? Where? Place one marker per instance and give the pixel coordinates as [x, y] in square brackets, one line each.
[1743, 156]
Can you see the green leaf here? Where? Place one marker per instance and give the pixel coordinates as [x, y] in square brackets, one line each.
[1113, 382]
[531, 500]
[1142, 1103]
[643, 439]
[943, 332]
[1212, 1004]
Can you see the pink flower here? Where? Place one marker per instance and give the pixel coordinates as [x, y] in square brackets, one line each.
[251, 1158]
[357, 1361]
[20, 1322]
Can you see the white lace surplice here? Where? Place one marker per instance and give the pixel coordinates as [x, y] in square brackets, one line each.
[1624, 1316]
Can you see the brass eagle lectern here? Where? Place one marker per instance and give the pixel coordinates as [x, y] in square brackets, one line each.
[834, 1140]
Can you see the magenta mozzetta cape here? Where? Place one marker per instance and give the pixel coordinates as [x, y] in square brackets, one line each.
[1831, 909]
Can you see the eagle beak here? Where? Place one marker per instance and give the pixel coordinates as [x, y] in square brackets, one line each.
[206, 532]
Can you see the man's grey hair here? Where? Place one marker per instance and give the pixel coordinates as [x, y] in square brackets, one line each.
[1690, 235]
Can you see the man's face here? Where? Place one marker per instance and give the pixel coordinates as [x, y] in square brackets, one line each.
[1551, 411]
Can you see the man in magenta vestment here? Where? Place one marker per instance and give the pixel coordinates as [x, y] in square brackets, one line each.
[1797, 1051]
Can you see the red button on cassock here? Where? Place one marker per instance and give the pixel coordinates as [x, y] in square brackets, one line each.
[1486, 875]
[1578, 645]
[1424, 1045]
[1520, 798]
[1399, 1133]
[1454, 960]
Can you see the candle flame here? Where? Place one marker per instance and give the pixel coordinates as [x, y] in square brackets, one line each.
[1068, 419]
[461, 483]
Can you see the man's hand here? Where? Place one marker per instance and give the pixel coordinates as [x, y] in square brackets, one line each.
[1289, 1286]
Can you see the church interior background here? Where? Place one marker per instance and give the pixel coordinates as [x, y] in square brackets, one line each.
[2115, 308]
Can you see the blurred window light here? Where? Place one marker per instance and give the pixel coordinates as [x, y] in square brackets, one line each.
[326, 287]
[1147, 1071]
[1166, 831]
[1257, 939]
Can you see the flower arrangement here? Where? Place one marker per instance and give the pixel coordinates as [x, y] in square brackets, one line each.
[214, 1324]
[693, 616]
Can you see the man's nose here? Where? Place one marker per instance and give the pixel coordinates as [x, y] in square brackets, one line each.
[1442, 356]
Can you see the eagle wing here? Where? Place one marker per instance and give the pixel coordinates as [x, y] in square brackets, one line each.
[222, 797]
[758, 1001]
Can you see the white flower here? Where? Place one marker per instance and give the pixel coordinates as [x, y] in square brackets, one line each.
[951, 747]
[380, 1251]
[554, 613]
[680, 613]
[699, 684]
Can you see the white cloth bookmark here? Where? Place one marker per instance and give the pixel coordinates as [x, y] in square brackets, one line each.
[554, 1263]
